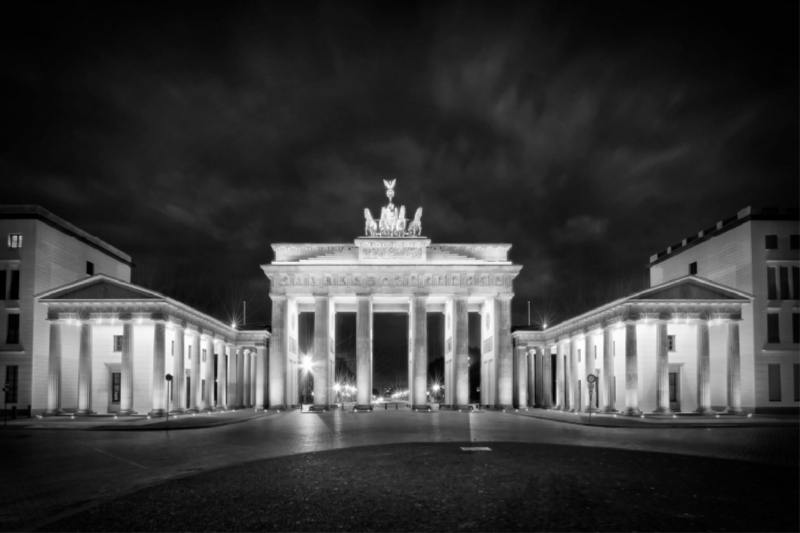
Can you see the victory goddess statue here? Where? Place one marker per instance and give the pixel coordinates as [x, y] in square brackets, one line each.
[393, 221]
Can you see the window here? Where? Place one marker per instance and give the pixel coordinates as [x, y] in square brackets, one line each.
[13, 290]
[172, 348]
[671, 343]
[203, 389]
[12, 335]
[773, 328]
[796, 283]
[90, 268]
[796, 369]
[693, 268]
[613, 348]
[794, 242]
[784, 283]
[772, 287]
[774, 383]
[2, 284]
[14, 240]
[595, 353]
[579, 356]
[12, 380]
[204, 355]
[117, 343]
[116, 386]
[189, 352]
[796, 328]
[771, 242]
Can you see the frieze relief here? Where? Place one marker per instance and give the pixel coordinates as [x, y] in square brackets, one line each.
[394, 280]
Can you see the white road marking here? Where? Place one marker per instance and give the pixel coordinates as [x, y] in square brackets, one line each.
[120, 458]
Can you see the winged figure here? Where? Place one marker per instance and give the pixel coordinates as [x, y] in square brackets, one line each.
[389, 184]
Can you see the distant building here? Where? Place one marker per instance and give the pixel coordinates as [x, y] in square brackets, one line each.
[756, 251]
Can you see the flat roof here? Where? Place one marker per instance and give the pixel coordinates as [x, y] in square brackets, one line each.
[745, 215]
[35, 212]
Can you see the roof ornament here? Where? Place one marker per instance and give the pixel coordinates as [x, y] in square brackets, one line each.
[393, 221]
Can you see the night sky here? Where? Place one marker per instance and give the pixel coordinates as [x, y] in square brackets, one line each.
[588, 135]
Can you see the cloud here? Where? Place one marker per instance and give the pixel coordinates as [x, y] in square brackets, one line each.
[582, 229]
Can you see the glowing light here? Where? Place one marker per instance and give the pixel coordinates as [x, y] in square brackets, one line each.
[306, 363]
[544, 326]
[337, 387]
[233, 325]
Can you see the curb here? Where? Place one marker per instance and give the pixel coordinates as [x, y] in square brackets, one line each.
[664, 425]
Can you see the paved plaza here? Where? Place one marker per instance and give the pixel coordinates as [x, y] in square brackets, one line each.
[52, 473]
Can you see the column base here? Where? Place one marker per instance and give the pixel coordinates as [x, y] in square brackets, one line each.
[319, 408]
[126, 412]
[734, 411]
[631, 411]
[221, 408]
[363, 408]
[85, 412]
[592, 410]
[193, 410]
[662, 411]
[157, 413]
[423, 407]
[609, 409]
[178, 411]
[704, 411]
[53, 412]
[505, 407]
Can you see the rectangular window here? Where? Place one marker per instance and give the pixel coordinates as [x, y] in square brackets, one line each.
[785, 283]
[796, 369]
[671, 343]
[796, 328]
[579, 356]
[613, 348]
[693, 268]
[796, 283]
[14, 240]
[794, 242]
[12, 381]
[13, 290]
[774, 383]
[771, 242]
[772, 286]
[595, 353]
[117, 343]
[116, 387]
[12, 334]
[673, 387]
[90, 268]
[203, 389]
[204, 355]
[2, 284]
[773, 328]
[189, 352]
[172, 348]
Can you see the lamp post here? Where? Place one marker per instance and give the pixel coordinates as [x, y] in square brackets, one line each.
[306, 365]
[169, 387]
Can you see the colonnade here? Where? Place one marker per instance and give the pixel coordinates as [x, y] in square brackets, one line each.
[533, 383]
[241, 370]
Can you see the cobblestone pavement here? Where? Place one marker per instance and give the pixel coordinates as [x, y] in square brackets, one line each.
[49, 473]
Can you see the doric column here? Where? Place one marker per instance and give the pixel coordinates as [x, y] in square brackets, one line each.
[126, 384]
[662, 369]
[85, 371]
[277, 353]
[179, 372]
[419, 321]
[588, 364]
[159, 369]
[54, 371]
[247, 383]
[608, 400]
[222, 376]
[547, 373]
[734, 370]
[241, 382]
[253, 377]
[461, 353]
[233, 377]
[703, 370]
[261, 375]
[363, 351]
[208, 404]
[505, 373]
[560, 374]
[631, 371]
[520, 397]
[194, 392]
[534, 372]
[321, 358]
[572, 376]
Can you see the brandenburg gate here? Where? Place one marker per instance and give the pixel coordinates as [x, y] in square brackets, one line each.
[392, 269]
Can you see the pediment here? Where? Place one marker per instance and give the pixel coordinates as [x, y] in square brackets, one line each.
[101, 289]
[691, 289]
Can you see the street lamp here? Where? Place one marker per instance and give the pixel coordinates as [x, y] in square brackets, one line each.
[306, 364]
[436, 391]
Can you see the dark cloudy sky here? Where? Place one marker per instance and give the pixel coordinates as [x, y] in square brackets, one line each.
[588, 135]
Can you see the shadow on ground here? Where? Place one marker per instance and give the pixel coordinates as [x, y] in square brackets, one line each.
[439, 487]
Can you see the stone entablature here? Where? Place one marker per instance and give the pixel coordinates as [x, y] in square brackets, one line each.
[381, 250]
[350, 253]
